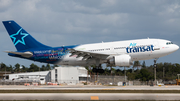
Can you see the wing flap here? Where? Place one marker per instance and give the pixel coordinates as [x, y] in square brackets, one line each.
[87, 55]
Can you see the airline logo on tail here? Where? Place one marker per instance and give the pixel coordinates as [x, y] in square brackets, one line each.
[19, 37]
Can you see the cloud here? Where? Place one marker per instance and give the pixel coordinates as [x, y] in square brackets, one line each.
[66, 22]
[4, 4]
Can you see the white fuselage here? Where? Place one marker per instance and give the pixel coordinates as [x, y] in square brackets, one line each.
[142, 49]
[120, 53]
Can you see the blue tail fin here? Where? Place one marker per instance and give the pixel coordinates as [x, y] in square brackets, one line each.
[21, 39]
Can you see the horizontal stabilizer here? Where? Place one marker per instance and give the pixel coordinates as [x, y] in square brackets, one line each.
[23, 54]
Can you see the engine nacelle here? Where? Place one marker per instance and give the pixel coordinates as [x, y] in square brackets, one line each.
[121, 60]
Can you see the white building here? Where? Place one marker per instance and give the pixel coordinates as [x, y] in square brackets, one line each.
[68, 75]
[60, 75]
[40, 76]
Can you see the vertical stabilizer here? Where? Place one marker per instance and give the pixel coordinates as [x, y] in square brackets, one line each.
[20, 38]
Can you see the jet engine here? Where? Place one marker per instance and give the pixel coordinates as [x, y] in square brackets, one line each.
[121, 60]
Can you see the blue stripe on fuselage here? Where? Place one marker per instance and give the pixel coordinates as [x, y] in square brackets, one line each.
[48, 55]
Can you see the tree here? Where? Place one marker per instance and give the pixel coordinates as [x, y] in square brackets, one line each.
[24, 69]
[113, 71]
[136, 64]
[106, 71]
[9, 68]
[131, 76]
[143, 64]
[48, 67]
[33, 68]
[119, 72]
[54, 66]
[3, 66]
[17, 67]
[43, 68]
[144, 75]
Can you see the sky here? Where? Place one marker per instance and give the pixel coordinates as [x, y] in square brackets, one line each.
[70, 22]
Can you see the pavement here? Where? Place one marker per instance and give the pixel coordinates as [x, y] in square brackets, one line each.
[87, 87]
[88, 96]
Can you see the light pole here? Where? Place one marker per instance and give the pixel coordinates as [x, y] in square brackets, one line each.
[5, 74]
[39, 75]
[26, 78]
[155, 65]
[125, 74]
[163, 73]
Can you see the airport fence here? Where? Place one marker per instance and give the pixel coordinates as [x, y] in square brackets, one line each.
[93, 80]
[173, 82]
[107, 80]
[17, 82]
[65, 81]
[122, 80]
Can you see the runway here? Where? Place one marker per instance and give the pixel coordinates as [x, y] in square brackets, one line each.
[47, 94]
[87, 87]
[88, 96]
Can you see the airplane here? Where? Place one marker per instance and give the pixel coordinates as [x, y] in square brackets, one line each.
[119, 53]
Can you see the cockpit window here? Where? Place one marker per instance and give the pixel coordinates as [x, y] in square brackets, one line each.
[168, 43]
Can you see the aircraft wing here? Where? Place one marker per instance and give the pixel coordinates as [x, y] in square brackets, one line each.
[86, 55]
[24, 54]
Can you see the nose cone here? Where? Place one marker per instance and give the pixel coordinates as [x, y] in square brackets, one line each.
[176, 47]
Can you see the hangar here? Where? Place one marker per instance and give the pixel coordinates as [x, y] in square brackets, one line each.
[60, 75]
